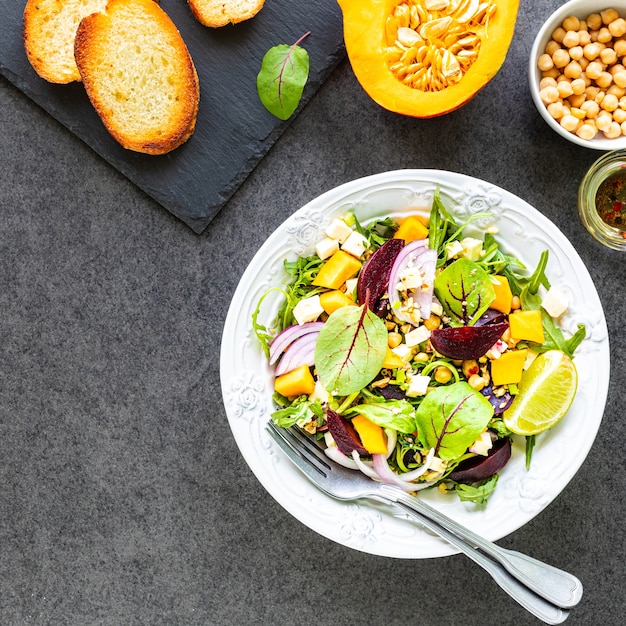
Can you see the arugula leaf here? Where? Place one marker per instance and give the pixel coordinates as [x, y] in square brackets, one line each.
[284, 73]
[530, 444]
[302, 272]
[297, 412]
[396, 414]
[465, 291]
[478, 494]
[350, 350]
[450, 419]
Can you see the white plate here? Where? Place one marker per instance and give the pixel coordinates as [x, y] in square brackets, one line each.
[520, 495]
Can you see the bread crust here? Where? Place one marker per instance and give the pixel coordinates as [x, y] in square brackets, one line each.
[217, 13]
[138, 75]
[49, 28]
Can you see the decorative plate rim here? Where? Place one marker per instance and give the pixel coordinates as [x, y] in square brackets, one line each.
[246, 379]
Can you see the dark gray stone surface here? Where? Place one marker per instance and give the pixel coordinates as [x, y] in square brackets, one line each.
[123, 497]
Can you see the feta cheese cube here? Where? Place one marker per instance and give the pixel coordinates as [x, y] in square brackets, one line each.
[351, 284]
[417, 336]
[436, 308]
[418, 386]
[411, 278]
[555, 302]
[319, 393]
[404, 352]
[454, 248]
[338, 230]
[308, 310]
[355, 244]
[472, 248]
[482, 445]
[326, 247]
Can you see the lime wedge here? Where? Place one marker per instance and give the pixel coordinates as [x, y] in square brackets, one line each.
[546, 392]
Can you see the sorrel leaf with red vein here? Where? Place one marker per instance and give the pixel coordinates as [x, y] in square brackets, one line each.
[350, 350]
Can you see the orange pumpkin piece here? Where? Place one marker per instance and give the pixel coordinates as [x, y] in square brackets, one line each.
[339, 268]
[333, 300]
[504, 296]
[298, 382]
[372, 436]
[527, 325]
[508, 367]
[392, 360]
[423, 63]
[411, 229]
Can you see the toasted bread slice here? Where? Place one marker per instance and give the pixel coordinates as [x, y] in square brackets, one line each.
[139, 75]
[216, 13]
[49, 32]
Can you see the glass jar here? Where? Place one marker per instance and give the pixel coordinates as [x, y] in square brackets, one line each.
[602, 202]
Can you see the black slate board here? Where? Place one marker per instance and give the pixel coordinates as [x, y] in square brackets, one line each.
[233, 130]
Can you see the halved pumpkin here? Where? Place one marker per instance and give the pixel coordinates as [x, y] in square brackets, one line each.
[424, 58]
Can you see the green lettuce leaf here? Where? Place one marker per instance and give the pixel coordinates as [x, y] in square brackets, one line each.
[396, 414]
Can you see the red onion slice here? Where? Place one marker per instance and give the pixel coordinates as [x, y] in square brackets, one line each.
[417, 254]
[299, 352]
[289, 335]
[386, 475]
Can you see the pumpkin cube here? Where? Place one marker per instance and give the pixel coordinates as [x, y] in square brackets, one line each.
[339, 268]
[527, 325]
[508, 367]
[372, 436]
[335, 299]
[295, 383]
[392, 360]
[411, 229]
[504, 296]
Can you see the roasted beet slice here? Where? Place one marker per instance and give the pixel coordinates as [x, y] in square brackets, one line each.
[374, 276]
[479, 468]
[499, 403]
[344, 434]
[466, 342]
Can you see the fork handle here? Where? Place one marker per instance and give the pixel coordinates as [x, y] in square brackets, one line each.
[542, 609]
[555, 585]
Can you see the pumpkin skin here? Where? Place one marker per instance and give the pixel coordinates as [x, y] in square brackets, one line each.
[365, 40]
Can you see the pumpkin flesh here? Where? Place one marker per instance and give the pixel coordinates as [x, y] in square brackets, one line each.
[440, 57]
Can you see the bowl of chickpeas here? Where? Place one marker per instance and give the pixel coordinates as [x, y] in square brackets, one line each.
[577, 73]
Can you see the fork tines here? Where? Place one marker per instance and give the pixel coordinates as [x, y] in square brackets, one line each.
[304, 446]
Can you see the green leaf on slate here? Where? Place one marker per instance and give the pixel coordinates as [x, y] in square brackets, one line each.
[283, 75]
[350, 350]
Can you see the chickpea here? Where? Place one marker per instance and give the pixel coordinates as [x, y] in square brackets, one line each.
[613, 131]
[608, 56]
[593, 36]
[433, 322]
[604, 80]
[558, 34]
[591, 51]
[443, 374]
[585, 37]
[549, 94]
[591, 108]
[477, 382]
[470, 368]
[552, 46]
[555, 109]
[620, 47]
[604, 35]
[623, 128]
[615, 68]
[604, 120]
[591, 92]
[576, 101]
[515, 303]
[619, 116]
[571, 39]
[579, 86]
[560, 58]
[548, 81]
[421, 357]
[576, 53]
[608, 15]
[610, 102]
[584, 62]
[619, 78]
[586, 132]
[617, 27]
[564, 88]
[569, 122]
[553, 73]
[573, 70]
[594, 21]
[545, 62]
[577, 113]
[594, 70]
[571, 23]
[394, 340]
[619, 92]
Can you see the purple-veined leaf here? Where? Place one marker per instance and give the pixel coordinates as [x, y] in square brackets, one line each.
[350, 350]
[283, 75]
[450, 418]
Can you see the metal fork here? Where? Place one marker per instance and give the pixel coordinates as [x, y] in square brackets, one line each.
[543, 590]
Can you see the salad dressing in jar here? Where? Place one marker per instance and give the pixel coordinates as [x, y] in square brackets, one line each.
[602, 200]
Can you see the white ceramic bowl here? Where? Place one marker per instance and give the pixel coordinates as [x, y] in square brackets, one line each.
[581, 9]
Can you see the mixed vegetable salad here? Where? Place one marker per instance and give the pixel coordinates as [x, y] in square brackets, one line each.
[402, 344]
